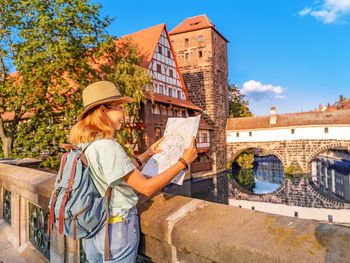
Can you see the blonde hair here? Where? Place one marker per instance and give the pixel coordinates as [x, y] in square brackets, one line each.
[95, 124]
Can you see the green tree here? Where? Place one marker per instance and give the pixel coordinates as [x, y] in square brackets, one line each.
[238, 106]
[124, 68]
[45, 52]
[56, 48]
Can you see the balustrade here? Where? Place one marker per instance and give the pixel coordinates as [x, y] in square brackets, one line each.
[38, 229]
[7, 206]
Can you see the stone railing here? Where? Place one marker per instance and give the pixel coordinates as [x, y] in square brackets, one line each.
[178, 229]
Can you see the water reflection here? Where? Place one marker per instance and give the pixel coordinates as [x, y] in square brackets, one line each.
[258, 173]
[331, 173]
[268, 174]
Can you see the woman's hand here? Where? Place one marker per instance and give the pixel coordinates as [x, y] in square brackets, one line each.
[190, 154]
[154, 148]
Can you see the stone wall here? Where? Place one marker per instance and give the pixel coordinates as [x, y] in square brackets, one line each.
[205, 77]
[291, 153]
[182, 229]
[300, 192]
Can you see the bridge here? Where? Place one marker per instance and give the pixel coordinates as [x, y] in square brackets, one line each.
[174, 229]
[295, 139]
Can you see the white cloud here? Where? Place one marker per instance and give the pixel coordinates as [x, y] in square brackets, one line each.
[258, 91]
[305, 11]
[330, 11]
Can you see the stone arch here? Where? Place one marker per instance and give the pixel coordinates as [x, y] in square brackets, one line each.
[325, 147]
[231, 155]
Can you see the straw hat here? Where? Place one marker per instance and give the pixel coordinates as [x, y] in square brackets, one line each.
[101, 92]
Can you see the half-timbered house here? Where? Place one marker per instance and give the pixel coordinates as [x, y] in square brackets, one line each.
[169, 97]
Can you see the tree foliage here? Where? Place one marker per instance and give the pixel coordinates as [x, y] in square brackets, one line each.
[48, 53]
[242, 169]
[238, 106]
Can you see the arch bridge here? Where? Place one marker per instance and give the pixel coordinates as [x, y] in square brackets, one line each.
[295, 139]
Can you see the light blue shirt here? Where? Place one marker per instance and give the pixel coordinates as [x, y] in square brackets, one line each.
[108, 164]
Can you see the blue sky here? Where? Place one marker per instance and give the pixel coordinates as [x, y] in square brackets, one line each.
[293, 55]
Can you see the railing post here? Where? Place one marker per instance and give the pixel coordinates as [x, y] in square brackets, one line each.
[1, 202]
[15, 219]
[72, 250]
[23, 221]
[57, 247]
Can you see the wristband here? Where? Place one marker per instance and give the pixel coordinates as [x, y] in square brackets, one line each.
[138, 160]
[182, 160]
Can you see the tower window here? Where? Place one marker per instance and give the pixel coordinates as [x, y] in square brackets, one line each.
[187, 55]
[159, 68]
[325, 130]
[292, 131]
[160, 50]
[200, 54]
[169, 54]
[237, 134]
[200, 38]
[250, 134]
[186, 41]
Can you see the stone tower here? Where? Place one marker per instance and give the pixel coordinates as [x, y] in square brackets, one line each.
[201, 53]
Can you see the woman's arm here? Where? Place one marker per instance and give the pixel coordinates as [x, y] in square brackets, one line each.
[149, 186]
[148, 153]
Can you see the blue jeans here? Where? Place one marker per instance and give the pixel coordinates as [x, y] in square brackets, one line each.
[124, 240]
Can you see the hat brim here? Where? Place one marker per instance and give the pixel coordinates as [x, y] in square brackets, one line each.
[112, 99]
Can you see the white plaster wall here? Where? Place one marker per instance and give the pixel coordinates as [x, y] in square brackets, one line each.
[339, 215]
[300, 133]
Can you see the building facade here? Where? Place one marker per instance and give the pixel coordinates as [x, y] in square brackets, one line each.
[201, 52]
[168, 97]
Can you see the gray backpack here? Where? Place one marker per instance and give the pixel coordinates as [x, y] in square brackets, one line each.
[76, 207]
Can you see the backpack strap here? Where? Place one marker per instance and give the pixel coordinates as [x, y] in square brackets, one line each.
[51, 218]
[107, 248]
[63, 163]
[66, 195]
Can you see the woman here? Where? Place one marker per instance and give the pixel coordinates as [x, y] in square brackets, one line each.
[103, 114]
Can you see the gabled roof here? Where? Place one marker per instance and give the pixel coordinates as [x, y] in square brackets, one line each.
[146, 40]
[194, 23]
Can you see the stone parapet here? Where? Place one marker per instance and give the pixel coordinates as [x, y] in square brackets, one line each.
[182, 229]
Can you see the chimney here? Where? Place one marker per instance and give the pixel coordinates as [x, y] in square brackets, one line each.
[273, 117]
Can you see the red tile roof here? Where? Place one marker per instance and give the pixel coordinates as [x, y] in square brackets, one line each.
[343, 105]
[146, 40]
[341, 117]
[194, 23]
[170, 100]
